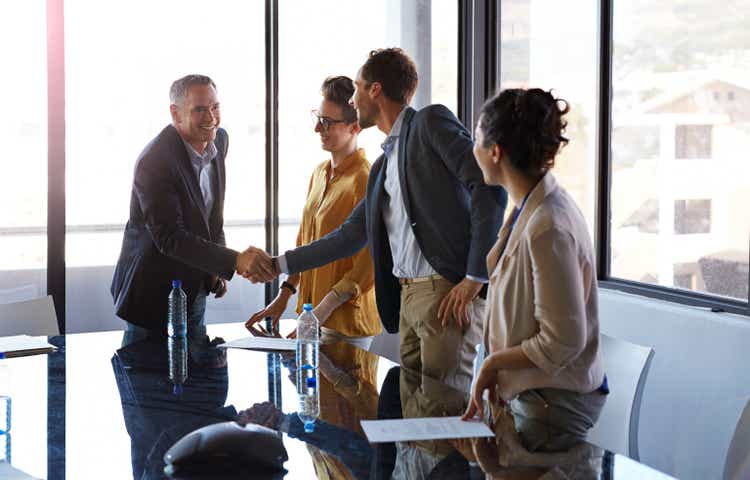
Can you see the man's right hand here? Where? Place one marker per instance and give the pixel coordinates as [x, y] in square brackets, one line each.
[255, 265]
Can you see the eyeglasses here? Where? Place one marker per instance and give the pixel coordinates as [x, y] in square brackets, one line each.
[324, 122]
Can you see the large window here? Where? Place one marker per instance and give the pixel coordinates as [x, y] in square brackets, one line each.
[547, 44]
[23, 223]
[117, 101]
[680, 97]
[318, 42]
[680, 189]
[23, 134]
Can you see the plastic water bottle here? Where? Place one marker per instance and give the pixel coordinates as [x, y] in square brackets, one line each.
[177, 336]
[307, 367]
[478, 361]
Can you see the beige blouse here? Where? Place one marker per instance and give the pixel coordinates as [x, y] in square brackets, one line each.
[543, 296]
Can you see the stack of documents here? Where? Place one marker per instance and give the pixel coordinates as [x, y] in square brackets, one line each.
[265, 344]
[22, 345]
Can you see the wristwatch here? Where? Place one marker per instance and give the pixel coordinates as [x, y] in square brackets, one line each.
[288, 286]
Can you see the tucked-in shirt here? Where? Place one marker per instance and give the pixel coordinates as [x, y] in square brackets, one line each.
[204, 171]
[543, 296]
[408, 259]
[330, 200]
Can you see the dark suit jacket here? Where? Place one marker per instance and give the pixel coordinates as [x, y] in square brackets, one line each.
[169, 234]
[454, 215]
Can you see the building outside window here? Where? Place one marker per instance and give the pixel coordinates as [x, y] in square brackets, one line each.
[682, 199]
[692, 216]
[693, 141]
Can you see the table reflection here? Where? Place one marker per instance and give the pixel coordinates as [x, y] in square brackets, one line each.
[233, 386]
[155, 417]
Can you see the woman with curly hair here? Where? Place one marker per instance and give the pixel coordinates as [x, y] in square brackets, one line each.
[542, 328]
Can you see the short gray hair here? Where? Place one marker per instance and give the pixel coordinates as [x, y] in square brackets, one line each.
[179, 88]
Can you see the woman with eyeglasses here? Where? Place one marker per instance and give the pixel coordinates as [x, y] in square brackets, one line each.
[542, 328]
[342, 292]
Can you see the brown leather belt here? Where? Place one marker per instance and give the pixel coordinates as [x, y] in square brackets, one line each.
[428, 278]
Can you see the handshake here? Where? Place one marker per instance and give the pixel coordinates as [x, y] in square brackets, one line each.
[257, 266]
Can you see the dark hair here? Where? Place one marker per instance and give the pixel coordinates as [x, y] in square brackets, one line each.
[179, 88]
[528, 125]
[394, 70]
[339, 90]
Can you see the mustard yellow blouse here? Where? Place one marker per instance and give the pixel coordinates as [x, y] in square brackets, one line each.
[330, 200]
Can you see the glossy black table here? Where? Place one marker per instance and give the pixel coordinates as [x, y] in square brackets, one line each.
[96, 410]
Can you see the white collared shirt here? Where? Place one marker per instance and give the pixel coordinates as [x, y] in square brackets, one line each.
[408, 260]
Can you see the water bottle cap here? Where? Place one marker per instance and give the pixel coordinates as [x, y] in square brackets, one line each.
[177, 389]
[176, 283]
[307, 307]
[309, 426]
[311, 382]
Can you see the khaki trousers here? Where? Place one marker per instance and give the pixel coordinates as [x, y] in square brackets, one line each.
[436, 361]
[441, 353]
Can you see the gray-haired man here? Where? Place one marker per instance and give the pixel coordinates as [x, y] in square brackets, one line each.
[176, 225]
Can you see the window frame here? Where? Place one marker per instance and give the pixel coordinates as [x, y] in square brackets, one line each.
[713, 303]
[604, 156]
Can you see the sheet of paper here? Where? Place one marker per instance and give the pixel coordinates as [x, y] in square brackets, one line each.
[266, 344]
[19, 345]
[431, 428]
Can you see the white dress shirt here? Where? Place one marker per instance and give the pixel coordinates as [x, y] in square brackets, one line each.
[408, 260]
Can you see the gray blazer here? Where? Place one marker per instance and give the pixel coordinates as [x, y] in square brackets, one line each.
[454, 215]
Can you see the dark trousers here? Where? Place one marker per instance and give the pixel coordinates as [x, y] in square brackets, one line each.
[554, 420]
[389, 407]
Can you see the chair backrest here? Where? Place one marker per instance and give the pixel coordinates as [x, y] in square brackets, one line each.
[35, 317]
[626, 365]
[386, 345]
[737, 463]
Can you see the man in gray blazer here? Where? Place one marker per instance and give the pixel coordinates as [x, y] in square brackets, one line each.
[428, 218]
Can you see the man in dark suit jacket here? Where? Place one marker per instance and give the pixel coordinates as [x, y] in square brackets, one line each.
[429, 219]
[176, 225]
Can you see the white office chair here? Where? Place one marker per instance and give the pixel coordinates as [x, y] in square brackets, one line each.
[626, 365]
[35, 317]
[386, 345]
[737, 463]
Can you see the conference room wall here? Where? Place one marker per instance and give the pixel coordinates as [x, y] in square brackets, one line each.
[697, 385]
